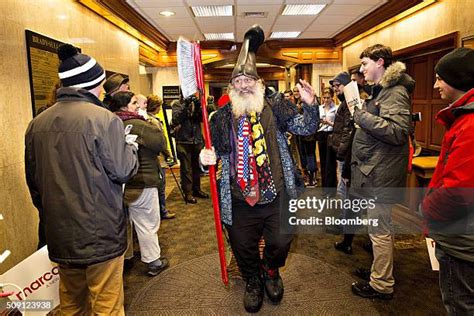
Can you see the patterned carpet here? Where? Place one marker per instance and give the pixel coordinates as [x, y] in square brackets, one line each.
[317, 278]
[194, 287]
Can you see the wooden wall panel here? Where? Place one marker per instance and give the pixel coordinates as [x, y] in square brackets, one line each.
[421, 130]
[420, 61]
[437, 130]
[419, 71]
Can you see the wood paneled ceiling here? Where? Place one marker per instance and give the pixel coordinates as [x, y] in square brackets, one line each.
[320, 39]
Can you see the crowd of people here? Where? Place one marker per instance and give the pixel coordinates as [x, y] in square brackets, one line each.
[96, 172]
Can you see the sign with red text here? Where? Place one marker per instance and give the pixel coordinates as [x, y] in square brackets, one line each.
[38, 278]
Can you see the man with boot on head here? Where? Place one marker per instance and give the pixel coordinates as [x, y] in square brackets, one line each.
[256, 172]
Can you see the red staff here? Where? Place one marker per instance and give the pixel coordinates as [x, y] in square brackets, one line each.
[191, 79]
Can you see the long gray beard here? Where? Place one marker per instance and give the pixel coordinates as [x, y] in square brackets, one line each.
[248, 103]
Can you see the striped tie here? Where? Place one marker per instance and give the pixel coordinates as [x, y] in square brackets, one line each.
[246, 166]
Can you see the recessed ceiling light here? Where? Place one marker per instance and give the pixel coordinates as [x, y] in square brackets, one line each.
[285, 34]
[212, 10]
[303, 9]
[62, 16]
[167, 13]
[219, 36]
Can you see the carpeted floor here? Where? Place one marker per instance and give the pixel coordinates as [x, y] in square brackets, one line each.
[317, 278]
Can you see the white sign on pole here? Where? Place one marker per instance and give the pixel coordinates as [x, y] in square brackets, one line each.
[431, 244]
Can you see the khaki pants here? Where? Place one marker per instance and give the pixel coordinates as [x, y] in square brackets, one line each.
[382, 237]
[92, 290]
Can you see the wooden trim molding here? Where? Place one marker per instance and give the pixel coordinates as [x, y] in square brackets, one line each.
[448, 41]
[121, 10]
[224, 74]
[381, 14]
[124, 11]
[445, 42]
[292, 43]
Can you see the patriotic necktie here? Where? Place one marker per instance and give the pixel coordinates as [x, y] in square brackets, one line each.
[247, 177]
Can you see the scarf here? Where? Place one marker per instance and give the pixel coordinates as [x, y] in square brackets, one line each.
[125, 115]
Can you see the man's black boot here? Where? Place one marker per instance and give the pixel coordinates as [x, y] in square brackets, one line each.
[273, 284]
[253, 296]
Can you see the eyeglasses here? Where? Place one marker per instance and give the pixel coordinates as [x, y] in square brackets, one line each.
[246, 80]
[336, 85]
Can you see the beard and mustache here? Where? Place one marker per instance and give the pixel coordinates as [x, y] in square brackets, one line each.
[245, 101]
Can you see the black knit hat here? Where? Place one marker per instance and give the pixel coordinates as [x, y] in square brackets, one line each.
[78, 70]
[457, 68]
[343, 78]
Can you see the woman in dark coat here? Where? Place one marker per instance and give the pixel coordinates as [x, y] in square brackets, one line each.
[141, 192]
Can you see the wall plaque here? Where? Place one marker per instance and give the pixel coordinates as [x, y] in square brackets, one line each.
[43, 65]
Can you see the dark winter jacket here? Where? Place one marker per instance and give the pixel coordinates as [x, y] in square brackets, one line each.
[186, 121]
[343, 127]
[380, 145]
[151, 142]
[76, 160]
[449, 203]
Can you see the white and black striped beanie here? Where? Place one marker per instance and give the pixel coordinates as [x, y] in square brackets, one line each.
[78, 70]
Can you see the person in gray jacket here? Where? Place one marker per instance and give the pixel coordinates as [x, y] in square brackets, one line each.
[76, 160]
[380, 160]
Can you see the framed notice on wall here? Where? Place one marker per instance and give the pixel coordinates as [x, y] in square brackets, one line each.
[43, 63]
[170, 93]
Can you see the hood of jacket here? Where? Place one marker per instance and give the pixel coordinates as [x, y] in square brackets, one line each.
[395, 74]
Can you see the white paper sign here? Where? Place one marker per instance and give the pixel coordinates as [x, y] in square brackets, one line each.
[351, 94]
[431, 244]
[38, 278]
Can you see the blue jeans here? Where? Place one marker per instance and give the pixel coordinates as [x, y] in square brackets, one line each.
[307, 151]
[342, 184]
[456, 282]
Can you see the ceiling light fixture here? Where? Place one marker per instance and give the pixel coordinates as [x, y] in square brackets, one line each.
[254, 15]
[167, 13]
[285, 34]
[212, 10]
[303, 9]
[219, 36]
